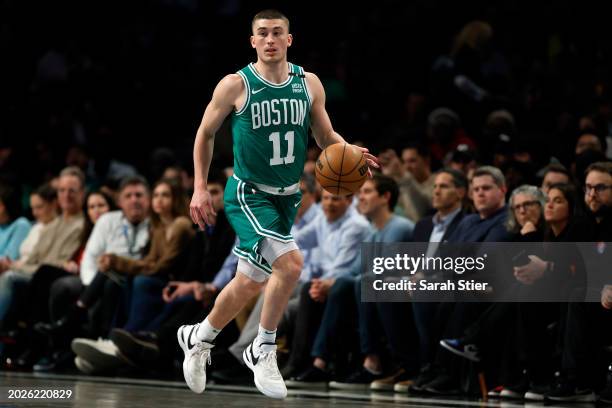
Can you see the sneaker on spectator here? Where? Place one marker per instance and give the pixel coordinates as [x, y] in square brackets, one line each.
[103, 354]
[495, 392]
[566, 390]
[56, 361]
[313, 377]
[511, 393]
[141, 349]
[518, 389]
[426, 375]
[388, 383]
[537, 392]
[359, 380]
[444, 384]
[461, 348]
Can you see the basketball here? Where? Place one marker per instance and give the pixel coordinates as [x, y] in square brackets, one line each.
[341, 169]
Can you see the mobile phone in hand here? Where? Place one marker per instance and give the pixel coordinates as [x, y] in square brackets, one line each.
[520, 259]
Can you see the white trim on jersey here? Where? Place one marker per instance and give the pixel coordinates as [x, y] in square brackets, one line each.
[306, 91]
[248, 94]
[268, 83]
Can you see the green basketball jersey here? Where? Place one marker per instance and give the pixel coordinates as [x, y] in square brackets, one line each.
[270, 131]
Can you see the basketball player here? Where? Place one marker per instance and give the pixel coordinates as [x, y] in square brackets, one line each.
[272, 104]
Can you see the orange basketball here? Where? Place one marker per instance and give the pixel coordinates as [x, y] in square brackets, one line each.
[341, 169]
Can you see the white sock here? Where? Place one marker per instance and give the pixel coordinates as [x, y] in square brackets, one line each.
[264, 336]
[206, 332]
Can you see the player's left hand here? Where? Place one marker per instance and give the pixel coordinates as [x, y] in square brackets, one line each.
[370, 159]
[201, 208]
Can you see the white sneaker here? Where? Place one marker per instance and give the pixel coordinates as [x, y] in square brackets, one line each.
[197, 355]
[268, 379]
[102, 354]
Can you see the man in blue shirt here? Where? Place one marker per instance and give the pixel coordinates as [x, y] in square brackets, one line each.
[377, 198]
[338, 234]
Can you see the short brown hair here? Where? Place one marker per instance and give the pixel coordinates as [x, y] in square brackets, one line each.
[556, 168]
[134, 180]
[602, 167]
[270, 14]
[385, 184]
[494, 172]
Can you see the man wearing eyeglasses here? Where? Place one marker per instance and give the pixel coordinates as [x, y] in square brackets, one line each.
[598, 196]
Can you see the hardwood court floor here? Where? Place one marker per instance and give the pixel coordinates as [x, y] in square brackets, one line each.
[108, 392]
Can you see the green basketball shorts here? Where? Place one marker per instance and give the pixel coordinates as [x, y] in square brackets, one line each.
[256, 215]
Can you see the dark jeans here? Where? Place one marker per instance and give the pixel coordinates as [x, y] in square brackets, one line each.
[429, 319]
[392, 321]
[306, 325]
[146, 302]
[338, 324]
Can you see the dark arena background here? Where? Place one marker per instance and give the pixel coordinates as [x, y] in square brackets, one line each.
[118, 88]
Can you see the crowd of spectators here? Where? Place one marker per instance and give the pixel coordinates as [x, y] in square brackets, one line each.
[487, 135]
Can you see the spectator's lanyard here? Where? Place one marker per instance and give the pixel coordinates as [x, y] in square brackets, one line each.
[131, 241]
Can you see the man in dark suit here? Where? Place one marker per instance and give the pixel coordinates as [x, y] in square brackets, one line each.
[450, 189]
[488, 187]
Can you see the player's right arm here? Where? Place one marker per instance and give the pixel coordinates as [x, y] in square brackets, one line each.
[321, 126]
[227, 95]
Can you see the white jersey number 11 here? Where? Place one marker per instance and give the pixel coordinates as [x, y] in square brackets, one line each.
[276, 149]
